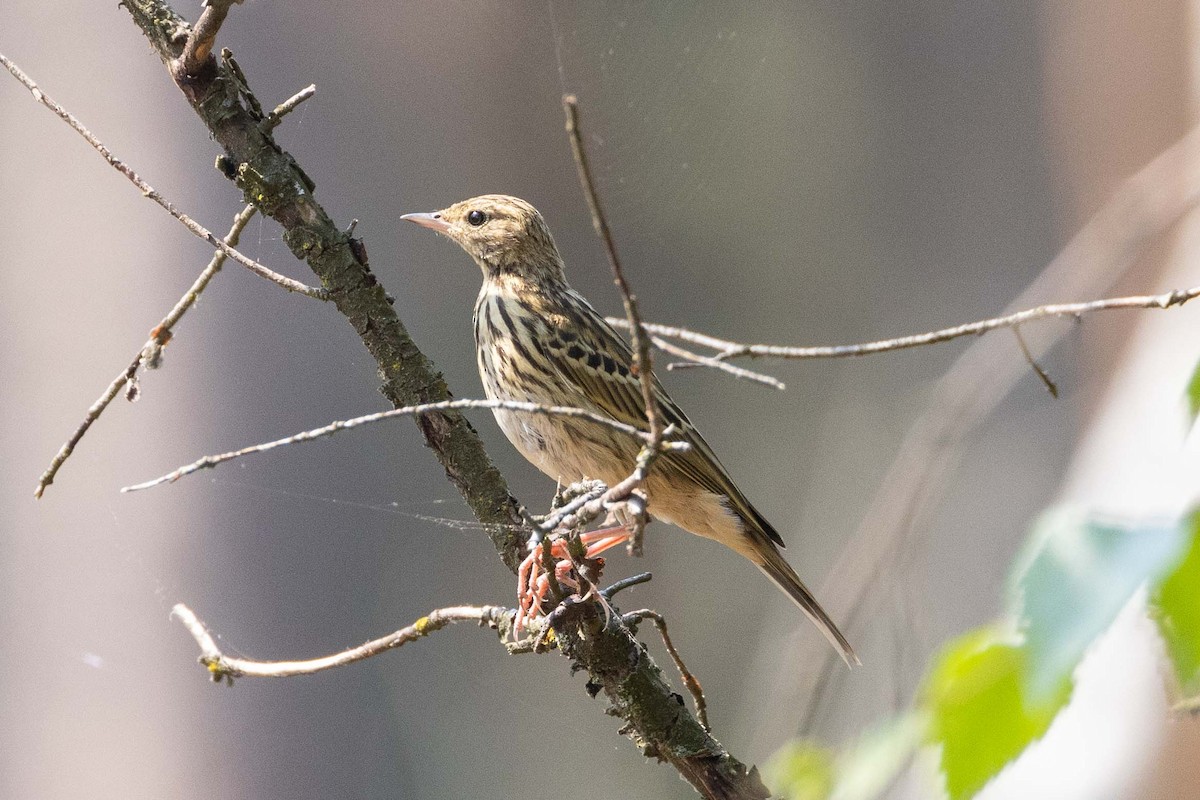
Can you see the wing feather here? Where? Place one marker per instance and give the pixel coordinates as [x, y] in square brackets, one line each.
[598, 363]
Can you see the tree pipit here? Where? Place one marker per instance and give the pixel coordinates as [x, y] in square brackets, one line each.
[539, 341]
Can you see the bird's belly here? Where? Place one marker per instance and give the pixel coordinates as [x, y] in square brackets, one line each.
[567, 450]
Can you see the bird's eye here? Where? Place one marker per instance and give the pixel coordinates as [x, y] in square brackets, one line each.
[476, 218]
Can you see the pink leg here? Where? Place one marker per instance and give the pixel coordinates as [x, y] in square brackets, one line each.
[533, 586]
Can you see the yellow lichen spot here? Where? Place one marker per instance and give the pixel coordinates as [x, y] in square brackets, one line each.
[422, 626]
[550, 638]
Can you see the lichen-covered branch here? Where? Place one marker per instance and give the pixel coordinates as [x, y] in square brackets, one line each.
[656, 718]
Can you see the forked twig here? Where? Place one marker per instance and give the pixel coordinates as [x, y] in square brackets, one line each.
[291, 284]
[223, 667]
[149, 354]
[726, 349]
[689, 680]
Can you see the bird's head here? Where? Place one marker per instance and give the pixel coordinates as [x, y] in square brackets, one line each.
[505, 235]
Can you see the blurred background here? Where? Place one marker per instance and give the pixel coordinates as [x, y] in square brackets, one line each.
[807, 173]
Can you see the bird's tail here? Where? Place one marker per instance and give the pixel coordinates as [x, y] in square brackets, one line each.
[783, 576]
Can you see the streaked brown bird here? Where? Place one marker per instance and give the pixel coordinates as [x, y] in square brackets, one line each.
[538, 340]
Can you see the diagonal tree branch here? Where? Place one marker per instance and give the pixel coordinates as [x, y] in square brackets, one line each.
[594, 640]
[272, 180]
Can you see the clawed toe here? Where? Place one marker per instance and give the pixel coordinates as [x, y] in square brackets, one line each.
[534, 580]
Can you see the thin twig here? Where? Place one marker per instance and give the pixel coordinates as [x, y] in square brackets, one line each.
[149, 191]
[407, 411]
[565, 516]
[625, 583]
[697, 360]
[223, 667]
[200, 43]
[149, 355]
[641, 342]
[689, 680]
[288, 106]
[1051, 386]
[727, 349]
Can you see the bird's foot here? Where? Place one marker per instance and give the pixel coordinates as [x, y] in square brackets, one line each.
[535, 580]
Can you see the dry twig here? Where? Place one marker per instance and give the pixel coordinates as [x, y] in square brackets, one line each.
[149, 191]
[150, 354]
[641, 342]
[689, 680]
[726, 349]
[288, 106]
[208, 462]
[223, 667]
[697, 360]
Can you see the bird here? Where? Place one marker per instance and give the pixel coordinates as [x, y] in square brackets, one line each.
[538, 340]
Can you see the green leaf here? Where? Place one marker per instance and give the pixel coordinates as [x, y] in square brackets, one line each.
[801, 770]
[1193, 394]
[979, 711]
[1078, 573]
[1175, 604]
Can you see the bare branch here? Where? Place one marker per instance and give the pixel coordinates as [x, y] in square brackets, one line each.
[727, 349]
[149, 191]
[1050, 385]
[223, 667]
[697, 360]
[641, 342]
[208, 462]
[150, 354]
[689, 680]
[625, 583]
[200, 43]
[288, 106]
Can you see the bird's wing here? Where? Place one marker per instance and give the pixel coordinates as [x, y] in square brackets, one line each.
[598, 363]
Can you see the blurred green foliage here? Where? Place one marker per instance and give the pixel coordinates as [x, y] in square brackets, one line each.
[1073, 578]
[1193, 394]
[992, 691]
[1175, 604]
[981, 714]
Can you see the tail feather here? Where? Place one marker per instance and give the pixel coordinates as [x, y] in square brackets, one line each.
[783, 576]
